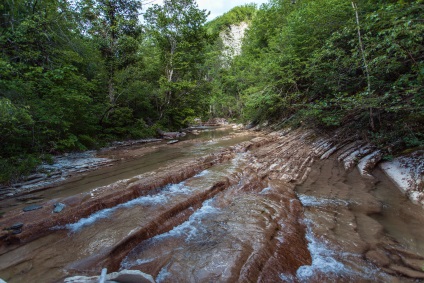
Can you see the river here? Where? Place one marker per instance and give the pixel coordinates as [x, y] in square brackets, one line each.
[243, 216]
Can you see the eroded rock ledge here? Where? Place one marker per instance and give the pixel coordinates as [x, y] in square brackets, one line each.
[273, 168]
[39, 222]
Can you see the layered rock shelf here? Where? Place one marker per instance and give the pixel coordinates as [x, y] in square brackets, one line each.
[286, 206]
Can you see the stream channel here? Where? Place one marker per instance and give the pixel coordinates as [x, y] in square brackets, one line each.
[226, 223]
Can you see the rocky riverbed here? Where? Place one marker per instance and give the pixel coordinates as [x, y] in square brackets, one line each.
[286, 206]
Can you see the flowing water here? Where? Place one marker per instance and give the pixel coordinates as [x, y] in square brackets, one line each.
[351, 219]
[152, 158]
[230, 223]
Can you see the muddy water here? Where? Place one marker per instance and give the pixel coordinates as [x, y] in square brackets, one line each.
[71, 246]
[358, 229]
[240, 221]
[401, 219]
[236, 233]
[153, 157]
[248, 232]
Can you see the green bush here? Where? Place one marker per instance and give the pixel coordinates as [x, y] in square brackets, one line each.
[12, 169]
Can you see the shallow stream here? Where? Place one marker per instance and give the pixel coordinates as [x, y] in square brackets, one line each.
[229, 223]
[151, 157]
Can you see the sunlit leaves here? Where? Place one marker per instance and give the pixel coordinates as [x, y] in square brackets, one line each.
[177, 32]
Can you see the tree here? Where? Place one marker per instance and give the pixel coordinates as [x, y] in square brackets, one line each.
[115, 28]
[177, 29]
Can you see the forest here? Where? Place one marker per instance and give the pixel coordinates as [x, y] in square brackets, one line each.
[76, 75]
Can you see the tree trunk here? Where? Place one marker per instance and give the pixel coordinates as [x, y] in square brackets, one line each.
[111, 52]
[111, 88]
[366, 70]
[361, 46]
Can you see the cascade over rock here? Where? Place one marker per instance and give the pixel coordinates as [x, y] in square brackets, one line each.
[287, 205]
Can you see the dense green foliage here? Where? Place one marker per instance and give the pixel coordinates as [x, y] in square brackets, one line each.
[177, 31]
[235, 16]
[77, 74]
[329, 63]
[223, 102]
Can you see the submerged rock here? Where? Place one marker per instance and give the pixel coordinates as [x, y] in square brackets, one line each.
[58, 207]
[248, 225]
[32, 207]
[16, 226]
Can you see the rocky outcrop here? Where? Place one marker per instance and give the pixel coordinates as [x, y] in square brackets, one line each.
[232, 39]
[61, 168]
[407, 172]
[65, 166]
[40, 222]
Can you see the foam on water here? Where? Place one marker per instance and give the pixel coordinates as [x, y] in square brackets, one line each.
[324, 262]
[265, 191]
[314, 201]
[202, 174]
[162, 198]
[102, 214]
[106, 213]
[179, 188]
[190, 230]
[143, 261]
[163, 274]
[288, 278]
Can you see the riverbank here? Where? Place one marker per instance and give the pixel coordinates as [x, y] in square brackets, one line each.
[68, 169]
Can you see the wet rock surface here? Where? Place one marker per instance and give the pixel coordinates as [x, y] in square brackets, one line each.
[58, 207]
[120, 161]
[32, 207]
[61, 168]
[15, 226]
[286, 206]
[124, 276]
[407, 172]
[340, 209]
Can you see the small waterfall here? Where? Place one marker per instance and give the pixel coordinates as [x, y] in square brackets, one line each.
[159, 199]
